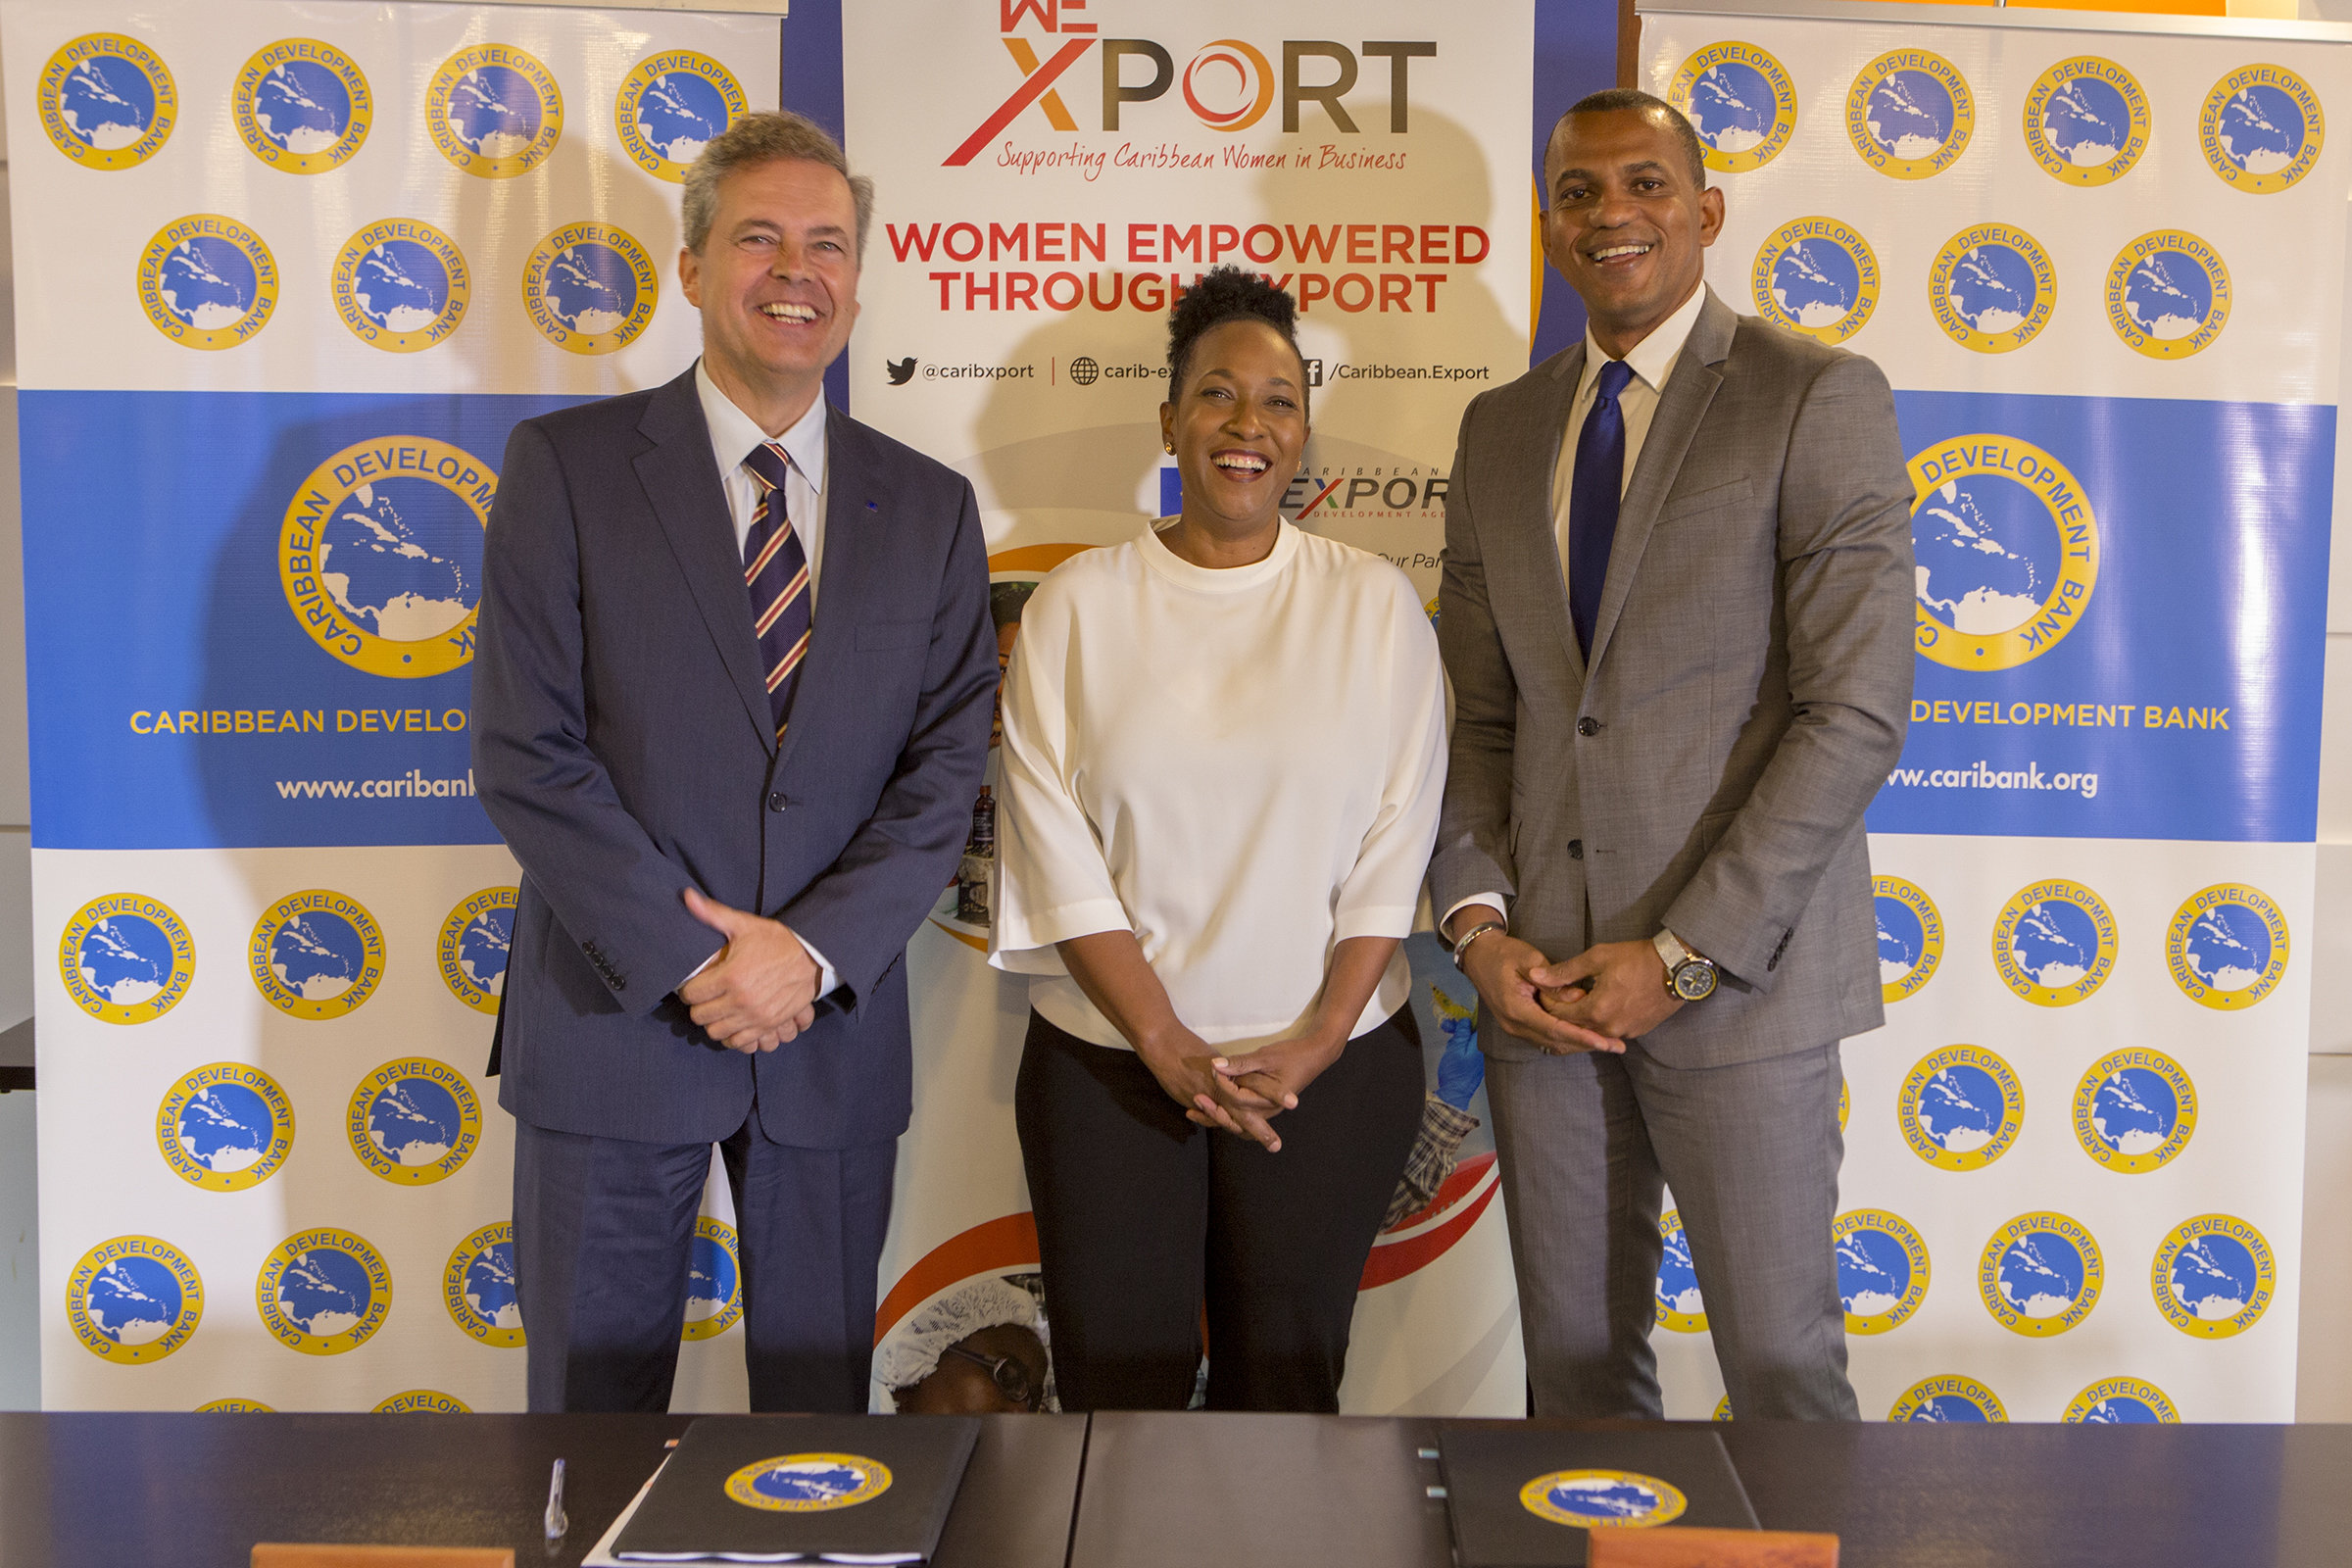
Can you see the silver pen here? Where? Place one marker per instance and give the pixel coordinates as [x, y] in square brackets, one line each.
[555, 1523]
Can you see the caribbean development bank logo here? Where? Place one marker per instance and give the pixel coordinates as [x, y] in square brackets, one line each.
[2040, 1274]
[2168, 294]
[126, 959]
[323, 1292]
[302, 106]
[1740, 100]
[1882, 1269]
[1961, 1108]
[107, 101]
[590, 288]
[494, 111]
[1680, 1308]
[1910, 937]
[2007, 551]
[714, 1281]
[2261, 129]
[2213, 1277]
[671, 106]
[414, 1121]
[1603, 1499]
[1817, 276]
[478, 1287]
[133, 1299]
[2226, 946]
[225, 1127]
[2086, 120]
[1948, 1398]
[1909, 114]
[2121, 1402]
[423, 1401]
[207, 281]
[809, 1483]
[2134, 1110]
[1993, 288]
[235, 1406]
[2054, 943]
[317, 953]
[473, 948]
[380, 554]
[401, 285]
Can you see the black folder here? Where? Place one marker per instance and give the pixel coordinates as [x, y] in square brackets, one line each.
[1523, 1497]
[803, 1488]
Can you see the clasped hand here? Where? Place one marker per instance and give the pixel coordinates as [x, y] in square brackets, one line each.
[1240, 1094]
[760, 990]
[1596, 1001]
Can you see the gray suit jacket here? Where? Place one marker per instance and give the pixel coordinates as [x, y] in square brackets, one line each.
[1747, 690]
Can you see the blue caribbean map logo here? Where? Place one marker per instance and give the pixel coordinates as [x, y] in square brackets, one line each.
[2227, 947]
[474, 945]
[2007, 551]
[1817, 276]
[107, 101]
[2261, 129]
[1949, 1396]
[316, 953]
[1961, 1108]
[207, 281]
[809, 1483]
[1993, 288]
[401, 285]
[671, 106]
[225, 1127]
[478, 1287]
[1909, 114]
[1740, 100]
[1680, 1308]
[126, 959]
[1882, 1269]
[2121, 1402]
[495, 111]
[302, 106]
[590, 288]
[2168, 294]
[323, 1292]
[2213, 1277]
[1603, 1499]
[1910, 937]
[2040, 1274]
[2134, 1110]
[414, 1121]
[2054, 943]
[133, 1299]
[714, 1281]
[2086, 120]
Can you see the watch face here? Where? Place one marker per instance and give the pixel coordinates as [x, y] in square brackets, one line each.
[1693, 980]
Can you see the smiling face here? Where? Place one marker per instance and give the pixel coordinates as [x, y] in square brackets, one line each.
[1238, 424]
[777, 284]
[1628, 224]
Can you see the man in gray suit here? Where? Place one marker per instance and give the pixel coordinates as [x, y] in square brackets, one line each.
[1677, 612]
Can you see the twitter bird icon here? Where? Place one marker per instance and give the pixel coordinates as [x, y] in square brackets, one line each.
[901, 370]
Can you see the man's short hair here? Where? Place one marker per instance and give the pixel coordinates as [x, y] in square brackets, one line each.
[762, 138]
[1614, 100]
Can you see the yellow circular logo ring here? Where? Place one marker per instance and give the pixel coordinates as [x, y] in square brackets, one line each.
[225, 1127]
[207, 281]
[1916, 955]
[2168, 294]
[1742, 102]
[1816, 275]
[2009, 606]
[317, 953]
[287, 102]
[401, 285]
[2214, 1277]
[809, 1483]
[1993, 288]
[671, 106]
[1876, 1301]
[590, 288]
[414, 1121]
[478, 932]
[1603, 1499]
[714, 1281]
[1909, 114]
[2040, 1274]
[1961, 1108]
[107, 101]
[2118, 1400]
[423, 1401]
[323, 1292]
[126, 959]
[477, 1286]
[2261, 129]
[1928, 1400]
[133, 1299]
[2054, 943]
[2086, 120]
[2226, 946]
[1684, 1311]
[494, 111]
[2134, 1110]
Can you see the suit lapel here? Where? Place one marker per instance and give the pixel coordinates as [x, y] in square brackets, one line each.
[681, 482]
[1535, 547]
[855, 545]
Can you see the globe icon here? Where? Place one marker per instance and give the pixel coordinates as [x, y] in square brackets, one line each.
[2088, 121]
[414, 1121]
[494, 111]
[1948, 1407]
[1816, 282]
[404, 559]
[1961, 1109]
[2229, 947]
[2041, 1275]
[482, 949]
[1993, 288]
[2214, 1277]
[1909, 114]
[1732, 107]
[318, 956]
[134, 1300]
[2056, 943]
[107, 103]
[1901, 940]
[2134, 1111]
[808, 1481]
[679, 114]
[2168, 295]
[207, 282]
[1603, 1497]
[1874, 1272]
[591, 288]
[1987, 554]
[1084, 369]
[303, 107]
[325, 1291]
[1678, 1280]
[710, 1280]
[401, 286]
[2122, 1409]
[226, 1127]
[490, 1286]
[2261, 130]
[126, 959]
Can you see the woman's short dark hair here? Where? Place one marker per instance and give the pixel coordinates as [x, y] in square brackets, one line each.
[1227, 294]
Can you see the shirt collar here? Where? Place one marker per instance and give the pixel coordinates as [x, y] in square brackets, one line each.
[733, 432]
[1652, 359]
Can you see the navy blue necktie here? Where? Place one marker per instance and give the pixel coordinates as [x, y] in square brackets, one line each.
[776, 569]
[1593, 492]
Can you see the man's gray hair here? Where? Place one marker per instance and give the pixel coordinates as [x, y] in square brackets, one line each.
[762, 138]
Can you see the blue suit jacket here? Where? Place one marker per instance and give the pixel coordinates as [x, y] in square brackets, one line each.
[622, 743]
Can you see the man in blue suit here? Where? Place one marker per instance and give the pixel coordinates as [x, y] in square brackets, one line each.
[731, 708]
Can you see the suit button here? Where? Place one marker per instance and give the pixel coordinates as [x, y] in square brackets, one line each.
[775, 799]
[1588, 726]
[1575, 849]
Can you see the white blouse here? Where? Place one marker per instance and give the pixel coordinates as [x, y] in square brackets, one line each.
[1242, 766]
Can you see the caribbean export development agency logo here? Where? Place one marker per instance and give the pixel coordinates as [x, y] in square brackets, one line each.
[401, 285]
[473, 947]
[225, 1127]
[2261, 129]
[414, 1121]
[477, 1286]
[671, 106]
[1816, 275]
[317, 953]
[302, 106]
[207, 281]
[126, 959]
[1909, 114]
[2226, 946]
[1993, 288]
[2054, 943]
[1949, 1396]
[1910, 937]
[133, 1299]
[2134, 1110]
[2040, 1274]
[1740, 100]
[1680, 1307]
[380, 554]
[1961, 1108]
[494, 111]
[2006, 547]
[323, 1292]
[2121, 1401]
[590, 288]
[809, 1483]
[107, 101]
[2213, 1276]
[2086, 120]
[714, 1281]
[1603, 1499]
[1882, 1269]
[2168, 294]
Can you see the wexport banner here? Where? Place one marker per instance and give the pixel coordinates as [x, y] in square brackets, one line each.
[2099, 258]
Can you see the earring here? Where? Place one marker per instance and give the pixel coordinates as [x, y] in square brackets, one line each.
[1170, 447]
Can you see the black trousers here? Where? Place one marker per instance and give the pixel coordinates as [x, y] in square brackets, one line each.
[1147, 1223]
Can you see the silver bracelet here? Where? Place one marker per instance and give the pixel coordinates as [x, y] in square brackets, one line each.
[1471, 934]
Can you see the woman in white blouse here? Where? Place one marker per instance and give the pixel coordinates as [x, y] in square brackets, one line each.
[1224, 745]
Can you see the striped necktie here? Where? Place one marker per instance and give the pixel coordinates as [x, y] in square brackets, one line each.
[776, 569]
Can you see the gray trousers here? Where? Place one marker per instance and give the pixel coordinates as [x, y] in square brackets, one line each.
[1751, 1150]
